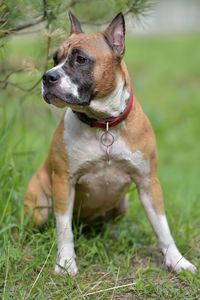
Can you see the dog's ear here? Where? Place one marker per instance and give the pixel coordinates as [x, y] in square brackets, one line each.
[115, 34]
[75, 24]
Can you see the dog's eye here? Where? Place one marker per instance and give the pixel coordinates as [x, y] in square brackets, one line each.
[55, 62]
[81, 60]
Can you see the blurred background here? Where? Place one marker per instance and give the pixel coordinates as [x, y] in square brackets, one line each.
[172, 16]
[163, 59]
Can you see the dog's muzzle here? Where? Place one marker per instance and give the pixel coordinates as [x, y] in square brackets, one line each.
[60, 90]
[50, 79]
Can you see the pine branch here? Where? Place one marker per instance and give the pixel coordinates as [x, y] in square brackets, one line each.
[38, 19]
[5, 82]
[136, 8]
[29, 24]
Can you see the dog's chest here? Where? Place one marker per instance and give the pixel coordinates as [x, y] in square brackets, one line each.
[87, 155]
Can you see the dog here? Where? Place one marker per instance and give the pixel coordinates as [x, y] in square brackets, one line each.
[103, 143]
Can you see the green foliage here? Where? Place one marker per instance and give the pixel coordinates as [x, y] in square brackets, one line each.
[25, 11]
[49, 19]
[122, 252]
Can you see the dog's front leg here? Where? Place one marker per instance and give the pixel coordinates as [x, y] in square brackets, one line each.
[151, 198]
[63, 194]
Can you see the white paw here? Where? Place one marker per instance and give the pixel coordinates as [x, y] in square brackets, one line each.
[68, 264]
[175, 261]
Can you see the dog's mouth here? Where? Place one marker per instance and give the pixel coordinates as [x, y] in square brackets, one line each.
[63, 100]
[52, 99]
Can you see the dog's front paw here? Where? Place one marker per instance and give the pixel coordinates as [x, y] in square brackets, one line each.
[66, 265]
[175, 261]
[179, 265]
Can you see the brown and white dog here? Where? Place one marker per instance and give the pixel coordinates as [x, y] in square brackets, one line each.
[92, 80]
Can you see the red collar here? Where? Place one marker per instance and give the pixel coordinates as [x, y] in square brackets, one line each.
[111, 121]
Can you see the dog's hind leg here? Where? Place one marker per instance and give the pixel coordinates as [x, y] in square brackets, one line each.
[38, 198]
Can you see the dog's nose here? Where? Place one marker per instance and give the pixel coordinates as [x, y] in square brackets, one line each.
[50, 77]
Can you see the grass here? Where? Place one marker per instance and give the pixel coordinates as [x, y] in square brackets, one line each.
[119, 259]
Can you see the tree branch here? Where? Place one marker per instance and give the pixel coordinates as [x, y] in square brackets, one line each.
[71, 4]
[22, 26]
[5, 82]
[29, 24]
[19, 86]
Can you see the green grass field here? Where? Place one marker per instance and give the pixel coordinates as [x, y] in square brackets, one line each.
[119, 259]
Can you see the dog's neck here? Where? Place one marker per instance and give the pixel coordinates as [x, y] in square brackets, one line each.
[110, 106]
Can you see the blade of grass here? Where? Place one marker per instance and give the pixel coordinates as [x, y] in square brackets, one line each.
[108, 289]
[7, 265]
[115, 283]
[6, 206]
[38, 276]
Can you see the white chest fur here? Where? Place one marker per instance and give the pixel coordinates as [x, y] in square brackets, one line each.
[86, 152]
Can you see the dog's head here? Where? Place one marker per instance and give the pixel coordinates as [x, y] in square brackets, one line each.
[86, 65]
